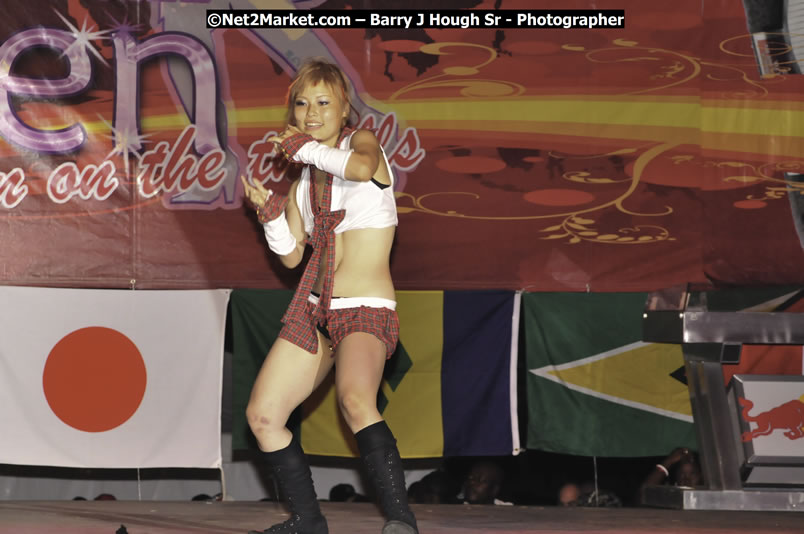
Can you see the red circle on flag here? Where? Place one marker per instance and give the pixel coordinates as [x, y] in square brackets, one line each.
[94, 379]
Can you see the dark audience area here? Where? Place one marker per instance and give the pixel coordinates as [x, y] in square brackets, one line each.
[537, 478]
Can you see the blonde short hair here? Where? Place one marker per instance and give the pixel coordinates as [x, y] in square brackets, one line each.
[317, 70]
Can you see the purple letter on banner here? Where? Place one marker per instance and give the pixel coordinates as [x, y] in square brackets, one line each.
[128, 53]
[11, 127]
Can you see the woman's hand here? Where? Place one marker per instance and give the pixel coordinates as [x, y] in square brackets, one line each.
[284, 134]
[268, 204]
[255, 194]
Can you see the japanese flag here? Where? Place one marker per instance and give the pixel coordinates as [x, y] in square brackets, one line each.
[111, 378]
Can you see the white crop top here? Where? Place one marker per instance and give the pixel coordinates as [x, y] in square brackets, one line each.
[365, 203]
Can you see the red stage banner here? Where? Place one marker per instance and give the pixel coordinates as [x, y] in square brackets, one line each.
[545, 158]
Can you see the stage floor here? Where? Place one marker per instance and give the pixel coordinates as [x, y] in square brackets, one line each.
[160, 517]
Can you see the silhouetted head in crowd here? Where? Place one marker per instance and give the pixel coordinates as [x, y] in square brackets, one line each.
[687, 472]
[483, 483]
[568, 494]
[436, 487]
[345, 493]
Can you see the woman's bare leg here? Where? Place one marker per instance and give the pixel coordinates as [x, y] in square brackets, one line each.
[288, 375]
[358, 373]
[360, 361]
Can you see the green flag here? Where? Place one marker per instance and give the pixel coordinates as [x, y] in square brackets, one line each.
[256, 314]
[594, 388]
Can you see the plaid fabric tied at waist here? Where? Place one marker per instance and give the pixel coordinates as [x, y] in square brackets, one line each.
[323, 235]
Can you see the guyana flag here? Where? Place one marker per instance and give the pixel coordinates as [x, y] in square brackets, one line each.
[763, 359]
[448, 390]
[594, 388]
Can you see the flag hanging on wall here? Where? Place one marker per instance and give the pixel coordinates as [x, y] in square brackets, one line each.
[763, 359]
[448, 390]
[594, 388]
[111, 378]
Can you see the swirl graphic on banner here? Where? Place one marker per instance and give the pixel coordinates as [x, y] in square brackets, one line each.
[678, 68]
[469, 87]
[573, 226]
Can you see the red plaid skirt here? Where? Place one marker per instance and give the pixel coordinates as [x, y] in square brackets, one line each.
[382, 323]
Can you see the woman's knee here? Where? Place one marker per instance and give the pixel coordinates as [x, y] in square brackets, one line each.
[262, 419]
[356, 407]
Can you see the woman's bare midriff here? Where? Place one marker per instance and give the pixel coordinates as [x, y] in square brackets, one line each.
[361, 264]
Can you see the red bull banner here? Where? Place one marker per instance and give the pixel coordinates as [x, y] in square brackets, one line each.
[614, 146]
[770, 428]
[788, 418]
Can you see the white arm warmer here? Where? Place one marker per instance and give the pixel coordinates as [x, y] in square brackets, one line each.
[328, 159]
[277, 233]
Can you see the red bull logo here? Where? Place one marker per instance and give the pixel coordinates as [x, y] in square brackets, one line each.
[788, 416]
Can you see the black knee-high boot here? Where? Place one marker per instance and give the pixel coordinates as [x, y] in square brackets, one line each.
[292, 473]
[384, 468]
